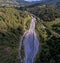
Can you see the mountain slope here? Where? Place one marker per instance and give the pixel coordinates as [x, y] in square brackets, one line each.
[12, 25]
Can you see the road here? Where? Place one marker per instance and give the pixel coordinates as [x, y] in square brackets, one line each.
[31, 43]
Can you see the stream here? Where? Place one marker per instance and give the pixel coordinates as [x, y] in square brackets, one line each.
[31, 43]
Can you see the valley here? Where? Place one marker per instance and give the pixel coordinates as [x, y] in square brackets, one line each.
[30, 32]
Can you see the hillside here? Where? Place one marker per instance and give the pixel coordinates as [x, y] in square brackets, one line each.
[46, 12]
[13, 23]
[49, 39]
[12, 0]
[48, 31]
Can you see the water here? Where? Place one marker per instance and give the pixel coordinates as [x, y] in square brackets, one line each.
[31, 43]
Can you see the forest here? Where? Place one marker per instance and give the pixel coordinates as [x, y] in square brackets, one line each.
[48, 31]
[13, 23]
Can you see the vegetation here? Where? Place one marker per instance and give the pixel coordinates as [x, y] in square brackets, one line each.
[49, 40]
[48, 32]
[47, 12]
[12, 26]
[14, 22]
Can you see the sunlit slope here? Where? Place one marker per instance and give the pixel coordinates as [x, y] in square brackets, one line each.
[13, 23]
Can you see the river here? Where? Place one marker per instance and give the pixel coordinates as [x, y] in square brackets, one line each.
[31, 43]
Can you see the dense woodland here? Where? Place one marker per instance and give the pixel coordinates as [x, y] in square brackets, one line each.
[48, 31]
[49, 38]
[46, 12]
[13, 23]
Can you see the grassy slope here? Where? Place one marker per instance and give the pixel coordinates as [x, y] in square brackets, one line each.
[11, 29]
